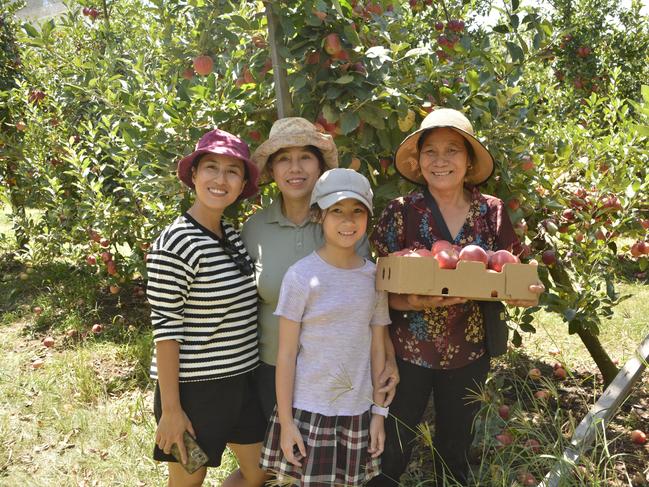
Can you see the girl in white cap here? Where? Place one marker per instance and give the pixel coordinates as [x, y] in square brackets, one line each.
[327, 428]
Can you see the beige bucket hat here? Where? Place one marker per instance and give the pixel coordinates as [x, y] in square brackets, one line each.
[407, 156]
[294, 132]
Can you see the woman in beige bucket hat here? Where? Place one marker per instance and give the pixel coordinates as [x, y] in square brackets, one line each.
[441, 343]
[293, 157]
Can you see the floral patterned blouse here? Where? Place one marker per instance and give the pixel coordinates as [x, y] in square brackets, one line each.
[446, 337]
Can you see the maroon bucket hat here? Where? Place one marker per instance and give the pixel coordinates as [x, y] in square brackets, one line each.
[223, 143]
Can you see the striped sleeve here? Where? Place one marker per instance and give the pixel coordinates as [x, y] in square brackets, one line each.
[169, 280]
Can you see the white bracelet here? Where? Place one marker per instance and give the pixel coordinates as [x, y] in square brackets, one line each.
[380, 411]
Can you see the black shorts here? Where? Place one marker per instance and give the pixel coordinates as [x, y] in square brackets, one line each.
[221, 411]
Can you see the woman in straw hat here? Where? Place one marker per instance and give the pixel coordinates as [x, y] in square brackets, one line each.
[440, 342]
[293, 157]
[204, 314]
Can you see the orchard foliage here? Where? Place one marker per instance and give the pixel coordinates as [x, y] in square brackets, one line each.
[110, 95]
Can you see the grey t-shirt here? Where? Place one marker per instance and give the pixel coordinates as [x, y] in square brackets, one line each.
[335, 308]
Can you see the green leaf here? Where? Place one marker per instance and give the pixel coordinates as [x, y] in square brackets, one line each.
[349, 122]
[329, 113]
[30, 30]
[515, 51]
[515, 5]
[351, 35]
[473, 79]
[417, 51]
[501, 29]
[644, 89]
[527, 328]
[343, 80]
[374, 116]
[517, 339]
[378, 52]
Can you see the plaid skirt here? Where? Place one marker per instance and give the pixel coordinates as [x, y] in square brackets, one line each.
[336, 451]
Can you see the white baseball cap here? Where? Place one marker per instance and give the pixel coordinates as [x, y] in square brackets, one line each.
[339, 184]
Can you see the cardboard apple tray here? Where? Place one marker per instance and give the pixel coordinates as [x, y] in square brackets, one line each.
[422, 275]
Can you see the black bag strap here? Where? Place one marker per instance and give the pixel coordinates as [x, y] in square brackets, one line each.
[437, 215]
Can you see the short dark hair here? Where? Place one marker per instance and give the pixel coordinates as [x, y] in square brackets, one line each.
[311, 148]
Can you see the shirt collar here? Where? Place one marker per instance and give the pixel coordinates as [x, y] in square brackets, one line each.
[275, 215]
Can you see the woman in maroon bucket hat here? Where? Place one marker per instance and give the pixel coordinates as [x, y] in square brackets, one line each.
[203, 300]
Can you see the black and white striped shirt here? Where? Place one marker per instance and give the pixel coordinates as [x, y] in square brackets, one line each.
[200, 299]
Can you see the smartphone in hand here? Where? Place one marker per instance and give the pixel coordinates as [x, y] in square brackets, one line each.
[196, 457]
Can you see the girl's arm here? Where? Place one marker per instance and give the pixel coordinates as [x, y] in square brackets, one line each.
[173, 422]
[389, 377]
[290, 437]
[377, 354]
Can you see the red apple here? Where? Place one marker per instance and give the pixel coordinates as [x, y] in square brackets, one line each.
[645, 224]
[259, 41]
[505, 438]
[332, 44]
[533, 445]
[91, 260]
[313, 58]
[500, 258]
[514, 204]
[447, 258]
[188, 73]
[424, 252]
[106, 256]
[542, 395]
[48, 342]
[37, 310]
[527, 163]
[503, 412]
[456, 25]
[638, 437]
[38, 363]
[144, 246]
[104, 242]
[560, 373]
[203, 65]
[474, 253]
[401, 253]
[111, 267]
[526, 478]
[549, 257]
[439, 26]
[534, 374]
[97, 328]
[385, 163]
[72, 333]
[21, 126]
[114, 289]
[440, 245]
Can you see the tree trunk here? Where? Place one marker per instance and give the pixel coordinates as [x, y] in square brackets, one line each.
[588, 338]
[604, 363]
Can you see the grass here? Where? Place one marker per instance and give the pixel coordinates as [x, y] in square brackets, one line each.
[85, 416]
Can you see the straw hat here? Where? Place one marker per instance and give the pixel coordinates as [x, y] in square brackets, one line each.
[294, 132]
[407, 156]
[223, 143]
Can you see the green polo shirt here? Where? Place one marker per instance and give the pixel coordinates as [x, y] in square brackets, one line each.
[275, 243]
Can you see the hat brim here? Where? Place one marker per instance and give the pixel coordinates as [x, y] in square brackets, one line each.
[406, 160]
[323, 142]
[333, 198]
[184, 170]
